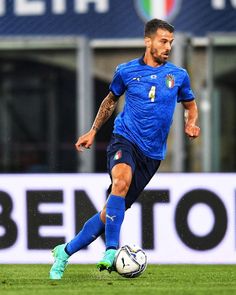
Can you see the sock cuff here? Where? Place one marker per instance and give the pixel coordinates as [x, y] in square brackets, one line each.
[116, 202]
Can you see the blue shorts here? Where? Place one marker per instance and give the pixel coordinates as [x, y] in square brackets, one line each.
[121, 150]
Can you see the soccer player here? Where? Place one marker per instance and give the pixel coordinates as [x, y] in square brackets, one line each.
[152, 86]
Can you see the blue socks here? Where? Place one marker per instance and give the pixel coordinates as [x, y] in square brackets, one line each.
[115, 212]
[92, 229]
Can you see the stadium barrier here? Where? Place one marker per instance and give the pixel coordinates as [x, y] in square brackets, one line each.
[179, 218]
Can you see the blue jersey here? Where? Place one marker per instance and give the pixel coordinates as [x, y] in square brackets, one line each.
[151, 95]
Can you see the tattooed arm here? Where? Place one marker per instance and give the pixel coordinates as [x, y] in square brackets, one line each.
[105, 111]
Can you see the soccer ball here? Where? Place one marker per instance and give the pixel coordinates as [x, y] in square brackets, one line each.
[130, 261]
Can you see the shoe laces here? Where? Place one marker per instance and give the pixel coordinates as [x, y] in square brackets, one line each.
[60, 264]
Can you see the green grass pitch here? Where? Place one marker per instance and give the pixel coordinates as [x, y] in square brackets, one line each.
[86, 279]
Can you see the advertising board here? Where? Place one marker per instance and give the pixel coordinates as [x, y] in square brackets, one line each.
[179, 218]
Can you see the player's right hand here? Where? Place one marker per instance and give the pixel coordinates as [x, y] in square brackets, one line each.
[85, 141]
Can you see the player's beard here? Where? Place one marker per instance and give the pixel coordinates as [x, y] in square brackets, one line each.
[157, 57]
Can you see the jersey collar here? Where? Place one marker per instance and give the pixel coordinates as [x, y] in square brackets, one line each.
[141, 61]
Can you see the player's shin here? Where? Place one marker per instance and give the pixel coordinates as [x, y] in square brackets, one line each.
[92, 229]
[115, 211]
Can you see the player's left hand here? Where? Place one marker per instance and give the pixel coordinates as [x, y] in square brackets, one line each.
[192, 131]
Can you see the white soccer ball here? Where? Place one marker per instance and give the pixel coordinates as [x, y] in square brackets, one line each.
[130, 261]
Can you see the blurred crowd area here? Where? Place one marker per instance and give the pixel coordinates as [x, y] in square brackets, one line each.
[57, 59]
[40, 98]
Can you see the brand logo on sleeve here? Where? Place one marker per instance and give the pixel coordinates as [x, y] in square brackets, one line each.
[137, 78]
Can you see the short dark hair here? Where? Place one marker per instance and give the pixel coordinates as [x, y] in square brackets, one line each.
[154, 24]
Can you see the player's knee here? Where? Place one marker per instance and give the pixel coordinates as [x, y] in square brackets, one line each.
[120, 186]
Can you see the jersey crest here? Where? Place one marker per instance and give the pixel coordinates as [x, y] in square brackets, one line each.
[162, 9]
[170, 81]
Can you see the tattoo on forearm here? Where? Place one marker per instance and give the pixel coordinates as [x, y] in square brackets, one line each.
[105, 111]
[95, 128]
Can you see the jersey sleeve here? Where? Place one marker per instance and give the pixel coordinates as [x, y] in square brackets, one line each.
[185, 92]
[117, 86]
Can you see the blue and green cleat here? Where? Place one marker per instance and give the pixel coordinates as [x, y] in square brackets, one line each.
[60, 263]
[107, 262]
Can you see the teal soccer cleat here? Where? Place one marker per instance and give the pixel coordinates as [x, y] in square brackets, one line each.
[107, 262]
[60, 263]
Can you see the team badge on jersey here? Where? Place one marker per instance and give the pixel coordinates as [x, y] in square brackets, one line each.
[170, 81]
[162, 9]
[118, 155]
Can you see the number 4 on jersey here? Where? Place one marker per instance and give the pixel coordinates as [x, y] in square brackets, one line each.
[152, 93]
